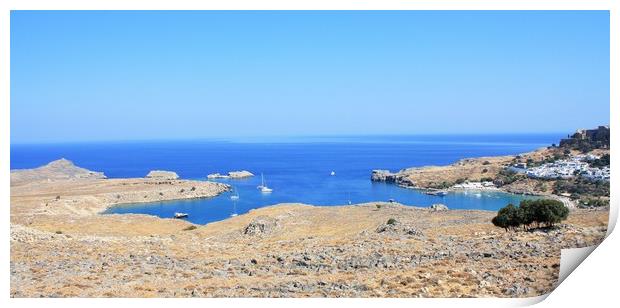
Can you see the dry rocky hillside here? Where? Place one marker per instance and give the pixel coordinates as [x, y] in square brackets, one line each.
[62, 247]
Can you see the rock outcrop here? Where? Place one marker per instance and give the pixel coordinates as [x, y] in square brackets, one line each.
[231, 175]
[383, 176]
[437, 207]
[216, 176]
[260, 225]
[162, 175]
[61, 169]
[240, 174]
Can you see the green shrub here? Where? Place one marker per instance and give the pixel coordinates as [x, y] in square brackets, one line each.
[542, 212]
[391, 221]
[460, 181]
[601, 162]
[506, 176]
[593, 203]
[581, 186]
[189, 228]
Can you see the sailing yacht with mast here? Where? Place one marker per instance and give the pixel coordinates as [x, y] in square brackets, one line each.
[235, 195]
[263, 188]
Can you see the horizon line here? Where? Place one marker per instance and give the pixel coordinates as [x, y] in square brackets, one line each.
[290, 137]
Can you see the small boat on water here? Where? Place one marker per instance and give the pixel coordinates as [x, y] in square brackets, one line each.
[263, 188]
[180, 215]
[233, 214]
[439, 193]
[235, 195]
[333, 173]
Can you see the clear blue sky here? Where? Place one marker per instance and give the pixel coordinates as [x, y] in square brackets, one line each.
[78, 76]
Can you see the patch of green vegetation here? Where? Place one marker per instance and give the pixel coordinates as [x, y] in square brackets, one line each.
[506, 176]
[58, 232]
[189, 228]
[600, 162]
[460, 181]
[540, 186]
[593, 202]
[579, 188]
[391, 221]
[542, 212]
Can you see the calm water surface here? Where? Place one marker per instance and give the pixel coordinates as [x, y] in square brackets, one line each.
[297, 169]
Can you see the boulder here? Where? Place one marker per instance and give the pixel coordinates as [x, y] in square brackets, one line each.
[260, 225]
[438, 207]
[162, 175]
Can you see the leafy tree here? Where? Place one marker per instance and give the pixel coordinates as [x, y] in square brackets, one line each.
[545, 212]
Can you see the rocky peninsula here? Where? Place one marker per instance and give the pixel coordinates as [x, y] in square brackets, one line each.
[62, 247]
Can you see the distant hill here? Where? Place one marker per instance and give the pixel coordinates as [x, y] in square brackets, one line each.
[61, 169]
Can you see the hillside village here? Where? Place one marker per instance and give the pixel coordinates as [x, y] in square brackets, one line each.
[573, 166]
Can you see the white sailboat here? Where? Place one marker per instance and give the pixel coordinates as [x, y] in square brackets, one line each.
[263, 188]
[235, 195]
[234, 213]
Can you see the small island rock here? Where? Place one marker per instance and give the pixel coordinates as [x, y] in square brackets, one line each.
[231, 175]
[162, 175]
[240, 174]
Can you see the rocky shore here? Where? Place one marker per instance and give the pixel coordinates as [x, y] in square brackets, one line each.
[62, 247]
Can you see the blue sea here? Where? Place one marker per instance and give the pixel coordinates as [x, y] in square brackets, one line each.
[297, 169]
